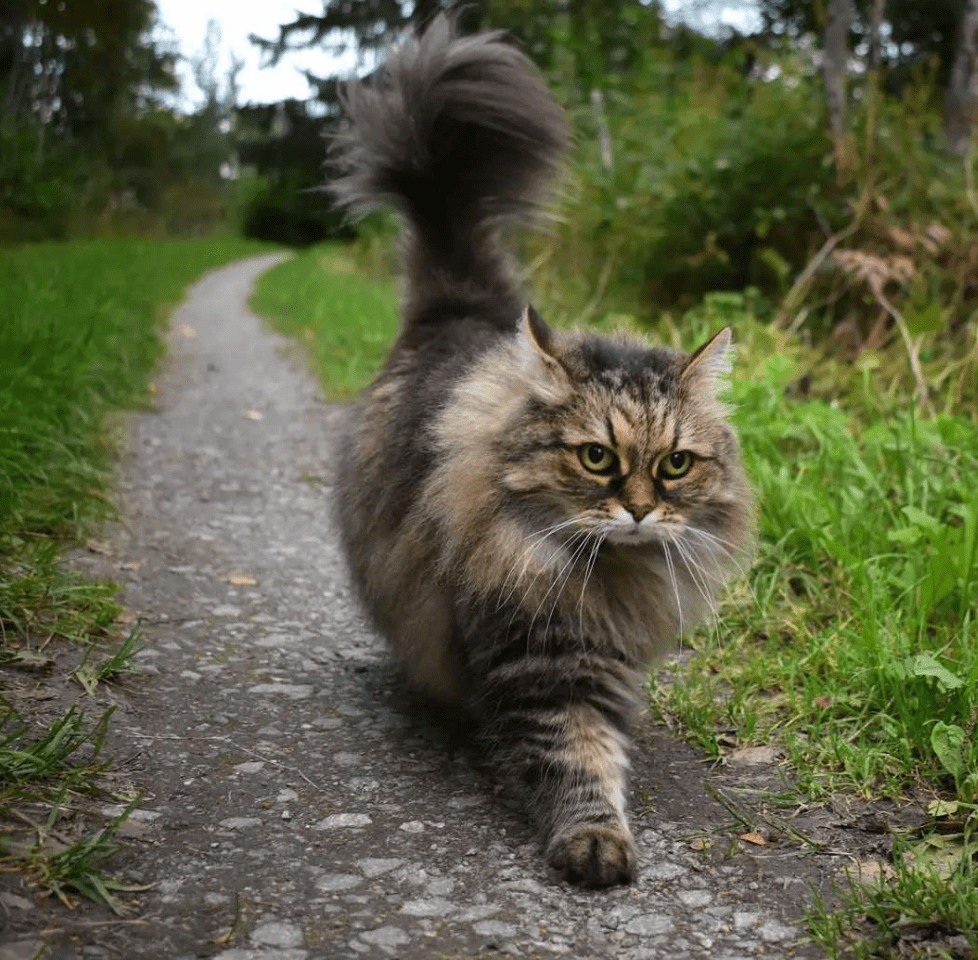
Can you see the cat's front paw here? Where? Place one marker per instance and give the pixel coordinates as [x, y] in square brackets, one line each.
[594, 855]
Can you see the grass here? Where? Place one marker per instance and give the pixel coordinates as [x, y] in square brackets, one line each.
[854, 642]
[347, 323]
[80, 336]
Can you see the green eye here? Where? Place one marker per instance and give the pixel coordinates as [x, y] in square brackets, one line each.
[597, 458]
[676, 465]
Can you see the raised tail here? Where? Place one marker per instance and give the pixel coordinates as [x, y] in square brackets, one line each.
[460, 134]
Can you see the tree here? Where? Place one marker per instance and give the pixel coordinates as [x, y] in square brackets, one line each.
[962, 92]
[835, 68]
[591, 41]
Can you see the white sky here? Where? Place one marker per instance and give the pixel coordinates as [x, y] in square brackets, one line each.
[186, 21]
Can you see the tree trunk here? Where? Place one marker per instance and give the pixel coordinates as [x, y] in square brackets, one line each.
[835, 63]
[962, 92]
[876, 22]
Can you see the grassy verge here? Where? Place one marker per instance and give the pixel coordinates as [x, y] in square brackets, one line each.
[80, 336]
[853, 645]
[347, 323]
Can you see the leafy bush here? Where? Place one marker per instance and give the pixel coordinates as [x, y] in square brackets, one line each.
[285, 213]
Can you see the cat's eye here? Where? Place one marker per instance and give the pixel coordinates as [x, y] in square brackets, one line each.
[676, 465]
[597, 458]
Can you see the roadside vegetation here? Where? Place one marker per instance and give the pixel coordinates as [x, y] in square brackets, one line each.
[811, 183]
[80, 338]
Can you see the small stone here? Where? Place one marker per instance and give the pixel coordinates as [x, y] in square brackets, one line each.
[412, 826]
[494, 928]
[294, 691]
[695, 898]
[376, 866]
[772, 931]
[252, 766]
[435, 907]
[276, 934]
[342, 820]
[338, 881]
[386, 936]
[649, 925]
[480, 912]
[240, 823]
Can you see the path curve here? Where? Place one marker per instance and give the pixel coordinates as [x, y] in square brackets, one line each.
[297, 805]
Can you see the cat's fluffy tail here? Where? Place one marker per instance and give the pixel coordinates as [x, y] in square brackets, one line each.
[461, 134]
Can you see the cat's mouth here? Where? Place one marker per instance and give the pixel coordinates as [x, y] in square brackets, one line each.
[634, 535]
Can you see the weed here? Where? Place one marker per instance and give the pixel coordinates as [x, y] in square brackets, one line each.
[921, 912]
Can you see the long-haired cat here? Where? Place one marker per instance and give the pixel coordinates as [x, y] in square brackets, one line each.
[529, 515]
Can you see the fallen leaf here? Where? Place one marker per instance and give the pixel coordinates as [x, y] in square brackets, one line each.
[242, 580]
[14, 902]
[753, 756]
[187, 330]
[253, 414]
[26, 659]
[755, 838]
[101, 547]
[868, 871]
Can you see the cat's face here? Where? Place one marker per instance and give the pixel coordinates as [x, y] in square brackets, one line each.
[627, 443]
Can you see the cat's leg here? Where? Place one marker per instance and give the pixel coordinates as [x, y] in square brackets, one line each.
[572, 756]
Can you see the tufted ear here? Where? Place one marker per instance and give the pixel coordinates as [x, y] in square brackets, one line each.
[538, 340]
[708, 368]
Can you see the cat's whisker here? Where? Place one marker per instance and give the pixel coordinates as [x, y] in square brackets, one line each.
[728, 549]
[572, 546]
[578, 553]
[698, 574]
[703, 582]
[712, 540]
[587, 576]
[675, 586]
[538, 538]
[578, 548]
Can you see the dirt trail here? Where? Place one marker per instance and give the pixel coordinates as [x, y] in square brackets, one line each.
[297, 804]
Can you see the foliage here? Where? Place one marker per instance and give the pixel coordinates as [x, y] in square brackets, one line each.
[87, 145]
[80, 337]
[856, 647]
[284, 146]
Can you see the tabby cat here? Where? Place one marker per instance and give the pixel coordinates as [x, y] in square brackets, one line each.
[529, 515]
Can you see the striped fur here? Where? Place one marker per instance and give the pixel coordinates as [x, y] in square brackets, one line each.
[509, 575]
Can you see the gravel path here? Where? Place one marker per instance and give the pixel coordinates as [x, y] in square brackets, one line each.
[298, 803]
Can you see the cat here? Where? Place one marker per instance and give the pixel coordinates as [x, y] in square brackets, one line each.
[529, 515]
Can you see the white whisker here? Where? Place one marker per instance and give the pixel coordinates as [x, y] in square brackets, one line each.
[675, 584]
[588, 570]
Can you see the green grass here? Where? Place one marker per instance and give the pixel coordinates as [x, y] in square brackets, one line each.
[347, 323]
[854, 642]
[80, 336]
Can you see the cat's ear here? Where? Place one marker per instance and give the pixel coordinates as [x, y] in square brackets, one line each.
[710, 365]
[538, 339]
[540, 353]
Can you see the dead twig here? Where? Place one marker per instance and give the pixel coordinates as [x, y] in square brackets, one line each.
[912, 350]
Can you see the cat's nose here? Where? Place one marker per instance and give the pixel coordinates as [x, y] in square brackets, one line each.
[641, 510]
